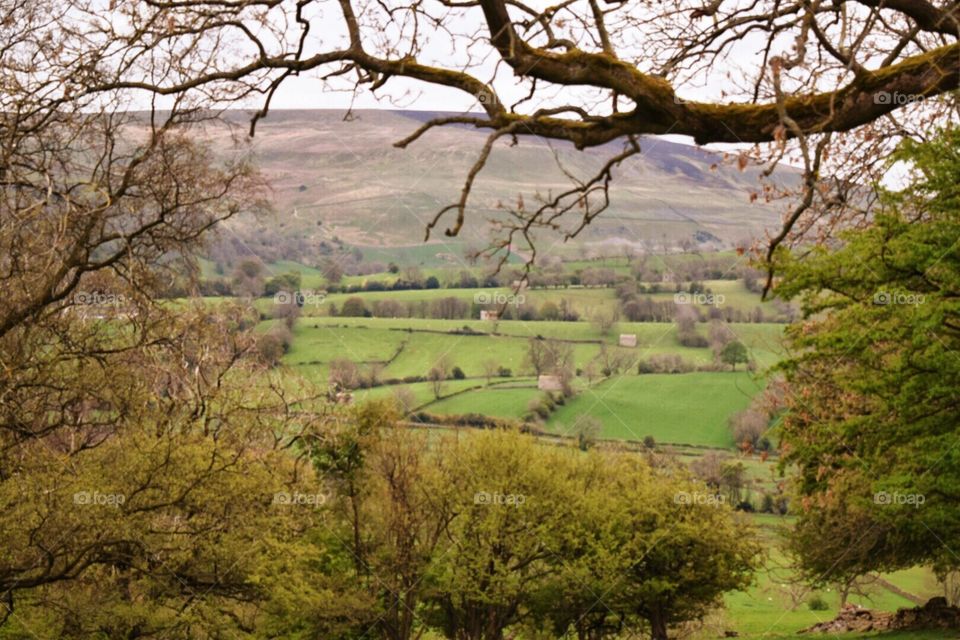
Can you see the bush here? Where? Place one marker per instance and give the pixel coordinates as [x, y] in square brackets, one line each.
[749, 426]
[665, 363]
[817, 603]
[354, 308]
[458, 373]
[504, 372]
[270, 348]
[766, 504]
[539, 407]
[693, 339]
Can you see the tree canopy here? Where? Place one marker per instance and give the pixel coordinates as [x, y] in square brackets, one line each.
[874, 379]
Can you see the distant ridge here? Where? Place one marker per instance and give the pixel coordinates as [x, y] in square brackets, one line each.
[344, 179]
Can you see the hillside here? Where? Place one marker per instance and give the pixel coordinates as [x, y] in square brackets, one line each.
[333, 178]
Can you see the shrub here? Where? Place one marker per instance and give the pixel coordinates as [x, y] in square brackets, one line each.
[270, 348]
[458, 374]
[817, 603]
[693, 339]
[766, 504]
[354, 308]
[664, 363]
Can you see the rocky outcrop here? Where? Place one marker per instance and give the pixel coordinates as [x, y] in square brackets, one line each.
[853, 618]
[935, 614]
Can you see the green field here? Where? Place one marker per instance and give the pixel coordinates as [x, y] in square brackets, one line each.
[500, 402]
[690, 408]
[762, 340]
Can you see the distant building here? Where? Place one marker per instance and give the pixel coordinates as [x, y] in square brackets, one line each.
[488, 315]
[549, 383]
[628, 339]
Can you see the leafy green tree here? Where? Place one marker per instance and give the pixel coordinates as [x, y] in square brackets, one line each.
[289, 282]
[516, 515]
[156, 511]
[733, 353]
[652, 549]
[874, 379]
[353, 307]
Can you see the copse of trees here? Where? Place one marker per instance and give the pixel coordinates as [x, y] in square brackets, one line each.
[473, 535]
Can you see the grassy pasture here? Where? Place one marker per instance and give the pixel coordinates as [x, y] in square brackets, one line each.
[501, 401]
[427, 341]
[688, 408]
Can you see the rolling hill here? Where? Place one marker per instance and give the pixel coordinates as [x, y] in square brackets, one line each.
[333, 178]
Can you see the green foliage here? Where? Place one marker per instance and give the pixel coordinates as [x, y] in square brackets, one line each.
[817, 603]
[483, 531]
[289, 282]
[354, 308]
[733, 353]
[875, 378]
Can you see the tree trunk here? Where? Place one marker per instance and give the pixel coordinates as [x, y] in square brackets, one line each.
[658, 627]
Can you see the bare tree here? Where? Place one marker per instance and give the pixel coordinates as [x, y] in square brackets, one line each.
[837, 83]
[490, 369]
[437, 377]
[344, 374]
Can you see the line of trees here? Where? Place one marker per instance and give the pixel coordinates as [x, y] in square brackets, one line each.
[475, 534]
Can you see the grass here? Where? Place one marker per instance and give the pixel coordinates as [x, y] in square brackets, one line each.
[498, 401]
[422, 391]
[691, 409]
[767, 609]
[688, 408]
[367, 340]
